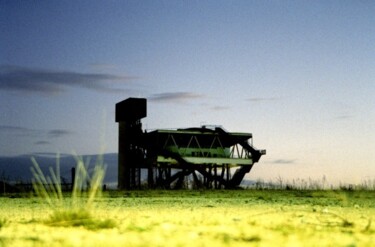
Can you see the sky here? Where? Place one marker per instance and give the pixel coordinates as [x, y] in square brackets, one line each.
[298, 75]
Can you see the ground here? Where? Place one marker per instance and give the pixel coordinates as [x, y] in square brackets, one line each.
[197, 218]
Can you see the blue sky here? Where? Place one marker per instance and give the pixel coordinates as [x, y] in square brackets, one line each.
[299, 75]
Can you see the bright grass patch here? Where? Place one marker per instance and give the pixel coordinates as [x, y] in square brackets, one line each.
[198, 218]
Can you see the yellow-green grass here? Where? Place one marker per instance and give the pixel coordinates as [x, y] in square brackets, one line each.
[199, 218]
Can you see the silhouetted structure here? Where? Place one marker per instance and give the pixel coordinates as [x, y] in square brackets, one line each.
[206, 154]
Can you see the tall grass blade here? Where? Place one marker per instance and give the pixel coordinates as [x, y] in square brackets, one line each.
[56, 182]
[86, 185]
[96, 183]
[40, 182]
[51, 188]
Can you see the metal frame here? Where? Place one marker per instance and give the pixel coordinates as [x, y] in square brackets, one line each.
[206, 155]
[188, 153]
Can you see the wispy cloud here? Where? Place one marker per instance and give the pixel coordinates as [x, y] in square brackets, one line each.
[42, 143]
[261, 99]
[343, 117]
[283, 161]
[103, 66]
[175, 97]
[220, 108]
[9, 128]
[17, 130]
[56, 133]
[17, 78]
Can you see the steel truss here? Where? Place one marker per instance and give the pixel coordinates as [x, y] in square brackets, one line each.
[200, 160]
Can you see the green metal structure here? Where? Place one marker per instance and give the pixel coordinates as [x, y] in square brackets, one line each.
[206, 156]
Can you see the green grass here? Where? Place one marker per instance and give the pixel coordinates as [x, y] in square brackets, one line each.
[198, 218]
[78, 210]
[78, 218]
[3, 223]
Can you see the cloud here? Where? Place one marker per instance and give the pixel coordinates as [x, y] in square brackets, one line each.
[261, 99]
[219, 108]
[103, 66]
[8, 128]
[283, 161]
[175, 97]
[17, 78]
[42, 143]
[16, 130]
[58, 133]
[343, 117]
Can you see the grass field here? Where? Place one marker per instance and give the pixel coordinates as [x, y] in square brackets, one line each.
[196, 218]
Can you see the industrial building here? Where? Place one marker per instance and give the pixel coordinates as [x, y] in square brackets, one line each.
[208, 156]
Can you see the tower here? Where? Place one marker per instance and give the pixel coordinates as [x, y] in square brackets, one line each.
[131, 154]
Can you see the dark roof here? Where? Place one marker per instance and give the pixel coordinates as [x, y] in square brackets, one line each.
[131, 109]
[205, 136]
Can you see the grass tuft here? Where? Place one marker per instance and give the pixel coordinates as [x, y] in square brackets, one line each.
[86, 188]
[3, 223]
[77, 218]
